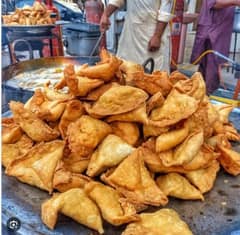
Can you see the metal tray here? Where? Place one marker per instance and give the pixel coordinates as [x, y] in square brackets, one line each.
[218, 214]
[33, 29]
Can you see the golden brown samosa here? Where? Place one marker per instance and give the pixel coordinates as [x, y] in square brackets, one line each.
[155, 101]
[150, 130]
[137, 115]
[85, 134]
[176, 76]
[186, 151]
[34, 127]
[37, 166]
[229, 160]
[109, 153]
[10, 152]
[153, 83]
[75, 204]
[223, 111]
[64, 180]
[79, 85]
[219, 139]
[11, 131]
[171, 139]
[114, 208]
[175, 185]
[104, 71]
[74, 109]
[133, 180]
[119, 99]
[161, 222]
[195, 86]
[204, 179]
[128, 131]
[176, 107]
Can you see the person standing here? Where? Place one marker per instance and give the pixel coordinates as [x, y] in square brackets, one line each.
[145, 32]
[214, 31]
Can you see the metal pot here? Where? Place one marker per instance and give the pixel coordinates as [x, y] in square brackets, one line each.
[236, 23]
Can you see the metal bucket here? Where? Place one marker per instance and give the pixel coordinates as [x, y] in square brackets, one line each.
[236, 22]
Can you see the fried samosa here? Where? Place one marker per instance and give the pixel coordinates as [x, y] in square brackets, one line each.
[171, 139]
[104, 71]
[176, 76]
[223, 112]
[37, 166]
[114, 208]
[153, 83]
[34, 127]
[219, 139]
[10, 152]
[64, 180]
[150, 130]
[204, 179]
[175, 185]
[155, 101]
[74, 109]
[137, 115]
[186, 151]
[75, 204]
[161, 222]
[119, 99]
[132, 179]
[85, 134]
[176, 107]
[195, 86]
[11, 131]
[128, 131]
[229, 160]
[109, 153]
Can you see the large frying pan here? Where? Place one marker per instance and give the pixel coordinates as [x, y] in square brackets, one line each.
[16, 93]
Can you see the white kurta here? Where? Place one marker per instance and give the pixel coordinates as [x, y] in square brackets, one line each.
[139, 26]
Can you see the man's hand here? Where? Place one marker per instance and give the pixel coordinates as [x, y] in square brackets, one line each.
[104, 23]
[154, 43]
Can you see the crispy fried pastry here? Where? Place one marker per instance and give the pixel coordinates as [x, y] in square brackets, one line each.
[109, 153]
[195, 86]
[11, 131]
[151, 130]
[229, 160]
[85, 134]
[45, 109]
[34, 127]
[223, 112]
[74, 109]
[171, 139]
[133, 180]
[114, 208]
[153, 83]
[161, 222]
[155, 101]
[137, 115]
[79, 85]
[10, 152]
[186, 151]
[128, 131]
[204, 179]
[37, 166]
[75, 204]
[176, 76]
[64, 180]
[177, 106]
[175, 185]
[96, 93]
[120, 99]
[104, 71]
[219, 139]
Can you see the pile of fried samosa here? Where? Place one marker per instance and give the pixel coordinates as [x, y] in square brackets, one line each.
[118, 142]
[37, 14]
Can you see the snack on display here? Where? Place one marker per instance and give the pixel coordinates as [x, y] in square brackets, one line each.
[113, 147]
[37, 14]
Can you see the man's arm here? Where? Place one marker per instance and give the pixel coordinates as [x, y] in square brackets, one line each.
[154, 43]
[112, 6]
[226, 3]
